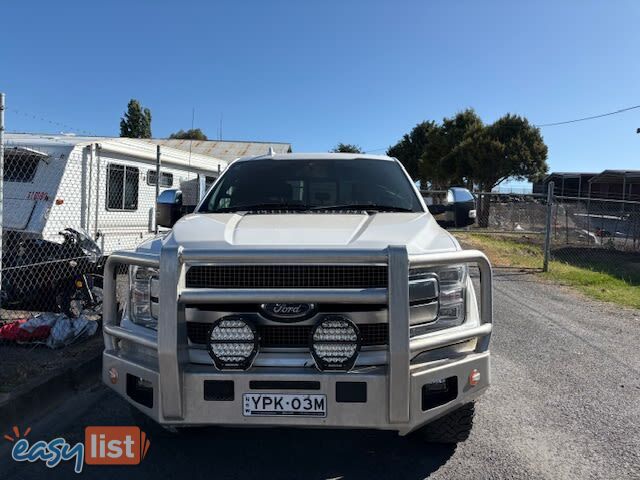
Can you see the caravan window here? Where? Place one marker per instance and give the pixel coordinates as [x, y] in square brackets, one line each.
[166, 179]
[20, 167]
[122, 187]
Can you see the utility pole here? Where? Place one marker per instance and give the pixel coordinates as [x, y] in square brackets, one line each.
[1, 179]
[157, 180]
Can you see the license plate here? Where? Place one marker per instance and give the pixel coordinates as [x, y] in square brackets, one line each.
[284, 404]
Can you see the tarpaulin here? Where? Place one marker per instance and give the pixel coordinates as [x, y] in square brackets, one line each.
[54, 329]
[14, 332]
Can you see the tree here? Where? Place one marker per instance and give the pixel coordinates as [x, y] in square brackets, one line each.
[464, 151]
[412, 147]
[522, 152]
[508, 148]
[191, 134]
[136, 122]
[346, 148]
[451, 153]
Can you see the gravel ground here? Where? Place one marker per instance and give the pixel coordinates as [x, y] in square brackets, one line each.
[565, 403]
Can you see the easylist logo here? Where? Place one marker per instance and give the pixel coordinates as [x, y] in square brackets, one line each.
[102, 446]
[115, 445]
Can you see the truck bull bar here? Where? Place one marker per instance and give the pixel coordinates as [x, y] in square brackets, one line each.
[170, 342]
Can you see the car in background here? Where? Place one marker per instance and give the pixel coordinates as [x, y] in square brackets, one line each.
[457, 209]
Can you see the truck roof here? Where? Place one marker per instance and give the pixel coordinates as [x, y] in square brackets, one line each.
[316, 156]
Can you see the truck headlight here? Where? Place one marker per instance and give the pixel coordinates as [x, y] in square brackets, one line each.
[437, 297]
[144, 296]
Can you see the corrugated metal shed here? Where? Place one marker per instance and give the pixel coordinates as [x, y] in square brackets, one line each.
[219, 150]
[617, 176]
[223, 149]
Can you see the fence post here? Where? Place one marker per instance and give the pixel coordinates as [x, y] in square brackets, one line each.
[547, 232]
[1, 181]
[157, 184]
[566, 224]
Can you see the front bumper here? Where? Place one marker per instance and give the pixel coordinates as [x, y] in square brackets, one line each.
[373, 413]
[394, 392]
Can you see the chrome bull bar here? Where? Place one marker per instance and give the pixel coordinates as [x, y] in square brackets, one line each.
[171, 340]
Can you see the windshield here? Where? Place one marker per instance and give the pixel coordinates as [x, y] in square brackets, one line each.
[364, 184]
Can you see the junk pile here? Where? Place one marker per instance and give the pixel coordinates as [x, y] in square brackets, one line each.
[55, 330]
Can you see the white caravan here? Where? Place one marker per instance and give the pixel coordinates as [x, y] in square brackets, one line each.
[104, 186]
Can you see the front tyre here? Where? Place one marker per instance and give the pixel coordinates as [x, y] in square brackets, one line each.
[454, 427]
[143, 421]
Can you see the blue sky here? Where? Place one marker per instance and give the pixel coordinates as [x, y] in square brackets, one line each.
[315, 73]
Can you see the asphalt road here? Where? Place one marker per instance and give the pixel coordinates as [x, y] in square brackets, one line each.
[565, 403]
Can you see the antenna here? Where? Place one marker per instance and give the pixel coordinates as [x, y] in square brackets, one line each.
[220, 129]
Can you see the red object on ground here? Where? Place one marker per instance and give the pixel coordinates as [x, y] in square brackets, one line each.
[13, 332]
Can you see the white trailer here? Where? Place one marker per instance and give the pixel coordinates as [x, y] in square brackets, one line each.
[104, 186]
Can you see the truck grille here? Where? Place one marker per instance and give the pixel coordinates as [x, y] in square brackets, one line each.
[292, 336]
[287, 276]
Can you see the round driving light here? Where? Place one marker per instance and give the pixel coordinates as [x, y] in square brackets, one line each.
[233, 343]
[335, 343]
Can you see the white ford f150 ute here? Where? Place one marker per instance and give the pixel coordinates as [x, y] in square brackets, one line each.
[303, 291]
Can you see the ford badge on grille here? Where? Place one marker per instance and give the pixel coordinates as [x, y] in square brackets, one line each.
[288, 312]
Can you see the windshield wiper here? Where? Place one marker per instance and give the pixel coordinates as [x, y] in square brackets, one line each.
[261, 206]
[363, 206]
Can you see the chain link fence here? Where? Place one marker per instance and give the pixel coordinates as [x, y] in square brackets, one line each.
[592, 224]
[47, 249]
[597, 234]
[511, 225]
[51, 260]
[64, 209]
[68, 203]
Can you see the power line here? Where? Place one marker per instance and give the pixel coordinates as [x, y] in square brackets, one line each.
[553, 124]
[622, 110]
[42, 119]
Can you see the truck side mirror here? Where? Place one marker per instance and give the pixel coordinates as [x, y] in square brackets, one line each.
[437, 209]
[463, 205]
[457, 210]
[168, 208]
